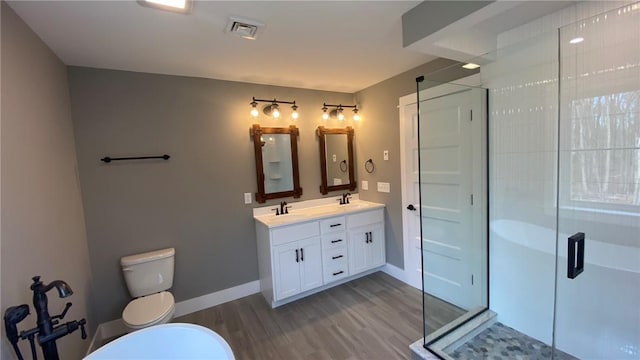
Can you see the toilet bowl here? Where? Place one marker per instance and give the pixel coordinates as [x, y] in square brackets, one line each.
[149, 310]
[148, 277]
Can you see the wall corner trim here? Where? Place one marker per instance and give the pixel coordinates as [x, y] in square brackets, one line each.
[117, 327]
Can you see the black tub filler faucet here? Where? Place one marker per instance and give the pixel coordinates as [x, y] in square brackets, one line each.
[47, 332]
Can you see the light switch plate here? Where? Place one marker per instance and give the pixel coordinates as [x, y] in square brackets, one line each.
[365, 185]
[384, 187]
[247, 198]
[385, 154]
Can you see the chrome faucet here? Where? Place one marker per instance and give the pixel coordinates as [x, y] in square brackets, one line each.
[46, 332]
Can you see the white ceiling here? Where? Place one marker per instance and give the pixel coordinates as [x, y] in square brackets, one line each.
[327, 45]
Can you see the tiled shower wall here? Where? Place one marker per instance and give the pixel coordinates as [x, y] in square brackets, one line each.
[523, 83]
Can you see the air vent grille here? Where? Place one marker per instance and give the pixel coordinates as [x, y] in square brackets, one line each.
[244, 28]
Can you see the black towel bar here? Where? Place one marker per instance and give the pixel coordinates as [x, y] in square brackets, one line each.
[108, 159]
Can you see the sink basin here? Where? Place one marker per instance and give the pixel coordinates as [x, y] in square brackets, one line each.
[355, 205]
[166, 341]
[286, 218]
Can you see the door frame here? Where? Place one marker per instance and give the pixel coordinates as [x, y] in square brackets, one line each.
[480, 175]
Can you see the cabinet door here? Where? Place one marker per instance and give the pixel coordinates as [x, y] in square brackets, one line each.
[366, 248]
[310, 263]
[286, 270]
[376, 247]
[358, 247]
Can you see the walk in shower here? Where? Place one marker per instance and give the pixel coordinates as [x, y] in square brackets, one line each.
[530, 194]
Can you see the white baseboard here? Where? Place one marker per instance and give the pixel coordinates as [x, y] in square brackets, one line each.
[217, 298]
[395, 272]
[117, 327]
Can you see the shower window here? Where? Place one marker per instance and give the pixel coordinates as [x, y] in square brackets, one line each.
[605, 160]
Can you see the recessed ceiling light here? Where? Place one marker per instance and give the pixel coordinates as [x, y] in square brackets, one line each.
[576, 40]
[180, 6]
[470, 66]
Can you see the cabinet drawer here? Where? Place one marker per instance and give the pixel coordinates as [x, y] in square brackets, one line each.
[290, 233]
[333, 224]
[334, 257]
[336, 273]
[365, 218]
[333, 241]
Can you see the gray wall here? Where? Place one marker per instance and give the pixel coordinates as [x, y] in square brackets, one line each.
[194, 201]
[43, 230]
[380, 131]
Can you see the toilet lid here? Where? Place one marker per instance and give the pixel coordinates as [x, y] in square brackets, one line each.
[147, 309]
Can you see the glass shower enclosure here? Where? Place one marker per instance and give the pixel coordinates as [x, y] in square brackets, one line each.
[530, 197]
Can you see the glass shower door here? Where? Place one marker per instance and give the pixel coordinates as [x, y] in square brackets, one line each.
[597, 311]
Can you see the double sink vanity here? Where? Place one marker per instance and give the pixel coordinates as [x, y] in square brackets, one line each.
[316, 245]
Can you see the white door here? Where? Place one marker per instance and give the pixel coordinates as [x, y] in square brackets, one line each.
[410, 191]
[310, 263]
[451, 163]
[286, 263]
[445, 139]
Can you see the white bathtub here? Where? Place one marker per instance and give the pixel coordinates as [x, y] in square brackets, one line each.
[167, 341]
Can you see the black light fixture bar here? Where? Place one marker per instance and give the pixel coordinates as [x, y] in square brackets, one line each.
[274, 101]
[339, 106]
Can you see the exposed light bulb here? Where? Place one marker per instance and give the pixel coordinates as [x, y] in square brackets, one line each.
[340, 115]
[325, 114]
[294, 114]
[356, 117]
[274, 111]
[254, 110]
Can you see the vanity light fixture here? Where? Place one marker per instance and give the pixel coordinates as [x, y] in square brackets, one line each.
[179, 6]
[338, 112]
[273, 109]
[356, 116]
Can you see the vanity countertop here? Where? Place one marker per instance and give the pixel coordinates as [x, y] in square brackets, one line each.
[303, 214]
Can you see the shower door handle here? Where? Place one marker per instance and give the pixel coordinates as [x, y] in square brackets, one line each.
[575, 255]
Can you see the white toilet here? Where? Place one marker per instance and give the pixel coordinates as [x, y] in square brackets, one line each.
[148, 275]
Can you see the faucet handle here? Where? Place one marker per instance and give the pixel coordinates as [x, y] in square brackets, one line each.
[64, 312]
[277, 211]
[82, 323]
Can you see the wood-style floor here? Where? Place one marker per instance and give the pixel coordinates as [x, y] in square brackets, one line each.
[374, 317]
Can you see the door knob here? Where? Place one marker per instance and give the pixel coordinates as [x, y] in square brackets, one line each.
[411, 207]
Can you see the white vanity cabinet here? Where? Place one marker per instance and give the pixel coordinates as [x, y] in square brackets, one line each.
[366, 241]
[297, 267]
[335, 254]
[297, 259]
[300, 254]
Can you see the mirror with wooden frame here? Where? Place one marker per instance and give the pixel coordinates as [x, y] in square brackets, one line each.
[276, 153]
[336, 159]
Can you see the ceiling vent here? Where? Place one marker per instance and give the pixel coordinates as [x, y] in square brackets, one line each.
[244, 28]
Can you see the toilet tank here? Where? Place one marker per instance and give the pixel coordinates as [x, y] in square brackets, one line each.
[148, 273]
